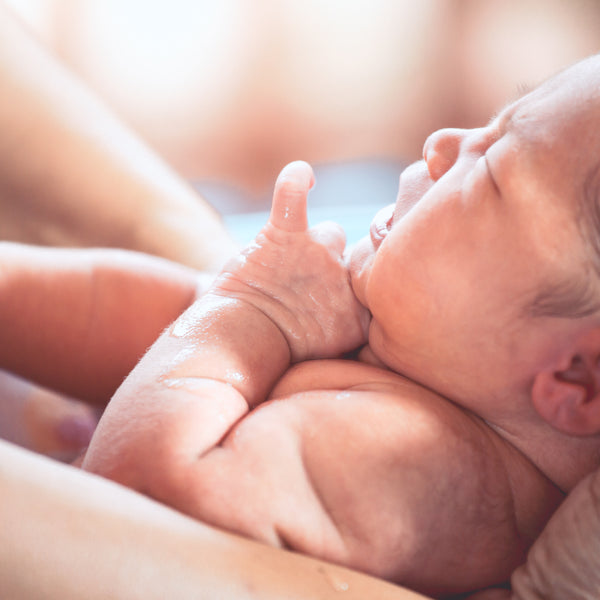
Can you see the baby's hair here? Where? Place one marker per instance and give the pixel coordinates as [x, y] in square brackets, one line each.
[589, 219]
[577, 298]
[522, 89]
[571, 299]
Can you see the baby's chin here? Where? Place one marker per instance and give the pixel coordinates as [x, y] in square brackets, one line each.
[369, 357]
[360, 259]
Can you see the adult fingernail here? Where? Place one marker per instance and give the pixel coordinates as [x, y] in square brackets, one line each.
[77, 430]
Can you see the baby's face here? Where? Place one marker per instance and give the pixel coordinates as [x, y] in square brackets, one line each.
[486, 221]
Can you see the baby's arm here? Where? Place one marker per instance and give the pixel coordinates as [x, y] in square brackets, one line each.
[285, 299]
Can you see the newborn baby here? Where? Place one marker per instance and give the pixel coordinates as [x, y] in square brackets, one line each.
[417, 409]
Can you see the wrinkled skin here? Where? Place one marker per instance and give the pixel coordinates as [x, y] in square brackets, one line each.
[564, 563]
[565, 560]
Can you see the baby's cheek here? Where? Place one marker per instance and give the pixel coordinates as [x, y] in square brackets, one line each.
[376, 353]
[360, 262]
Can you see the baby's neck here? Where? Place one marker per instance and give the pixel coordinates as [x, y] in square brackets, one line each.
[563, 459]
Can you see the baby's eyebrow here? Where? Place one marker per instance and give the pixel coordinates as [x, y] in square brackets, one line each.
[506, 111]
[523, 89]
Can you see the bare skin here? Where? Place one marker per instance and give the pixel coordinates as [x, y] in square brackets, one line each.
[481, 289]
[304, 486]
[83, 536]
[71, 174]
[73, 323]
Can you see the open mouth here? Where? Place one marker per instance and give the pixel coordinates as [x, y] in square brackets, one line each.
[381, 224]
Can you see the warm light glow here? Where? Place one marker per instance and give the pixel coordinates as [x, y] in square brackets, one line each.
[37, 14]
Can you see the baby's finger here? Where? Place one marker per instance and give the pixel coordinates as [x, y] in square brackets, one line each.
[330, 234]
[288, 211]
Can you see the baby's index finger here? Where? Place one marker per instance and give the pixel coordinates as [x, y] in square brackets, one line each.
[288, 210]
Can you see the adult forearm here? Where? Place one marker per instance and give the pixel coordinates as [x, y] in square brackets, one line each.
[78, 320]
[66, 534]
[72, 174]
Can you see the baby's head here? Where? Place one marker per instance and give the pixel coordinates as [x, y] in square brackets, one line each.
[484, 278]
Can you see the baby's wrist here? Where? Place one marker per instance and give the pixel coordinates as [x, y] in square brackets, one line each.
[273, 302]
[233, 341]
[264, 313]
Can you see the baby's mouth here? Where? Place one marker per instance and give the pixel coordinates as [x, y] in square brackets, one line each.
[381, 224]
[414, 184]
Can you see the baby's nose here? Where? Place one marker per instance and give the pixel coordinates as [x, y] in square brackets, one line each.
[441, 150]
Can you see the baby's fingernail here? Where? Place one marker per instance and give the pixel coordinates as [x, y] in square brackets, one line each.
[76, 431]
[298, 173]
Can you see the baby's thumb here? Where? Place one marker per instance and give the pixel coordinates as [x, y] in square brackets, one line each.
[288, 210]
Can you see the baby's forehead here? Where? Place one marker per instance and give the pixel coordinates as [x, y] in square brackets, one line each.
[558, 123]
[569, 100]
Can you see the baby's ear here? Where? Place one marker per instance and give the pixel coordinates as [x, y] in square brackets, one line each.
[569, 398]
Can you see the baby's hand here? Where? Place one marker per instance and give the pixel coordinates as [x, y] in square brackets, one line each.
[297, 276]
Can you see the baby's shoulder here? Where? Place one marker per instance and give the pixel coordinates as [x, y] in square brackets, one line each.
[332, 374]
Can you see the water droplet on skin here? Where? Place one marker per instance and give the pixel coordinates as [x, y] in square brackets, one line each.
[184, 326]
[233, 377]
[197, 318]
[175, 383]
[337, 582]
[339, 585]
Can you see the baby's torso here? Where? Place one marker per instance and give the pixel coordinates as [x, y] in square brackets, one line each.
[360, 466]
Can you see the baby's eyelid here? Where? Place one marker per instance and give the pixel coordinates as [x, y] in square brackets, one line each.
[496, 132]
[491, 174]
[503, 123]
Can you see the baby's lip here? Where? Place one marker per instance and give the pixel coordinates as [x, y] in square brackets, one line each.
[381, 224]
[414, 184]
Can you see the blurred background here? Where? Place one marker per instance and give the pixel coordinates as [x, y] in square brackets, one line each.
[228, 91]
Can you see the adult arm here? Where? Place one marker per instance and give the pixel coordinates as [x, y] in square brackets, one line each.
[67, 534]
[77, 321]
[72, 175]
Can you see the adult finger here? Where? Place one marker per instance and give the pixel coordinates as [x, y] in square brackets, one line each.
[42, 420]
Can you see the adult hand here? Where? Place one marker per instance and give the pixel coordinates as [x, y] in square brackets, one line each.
[43, 420]
[73, 323]
[72, 174]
